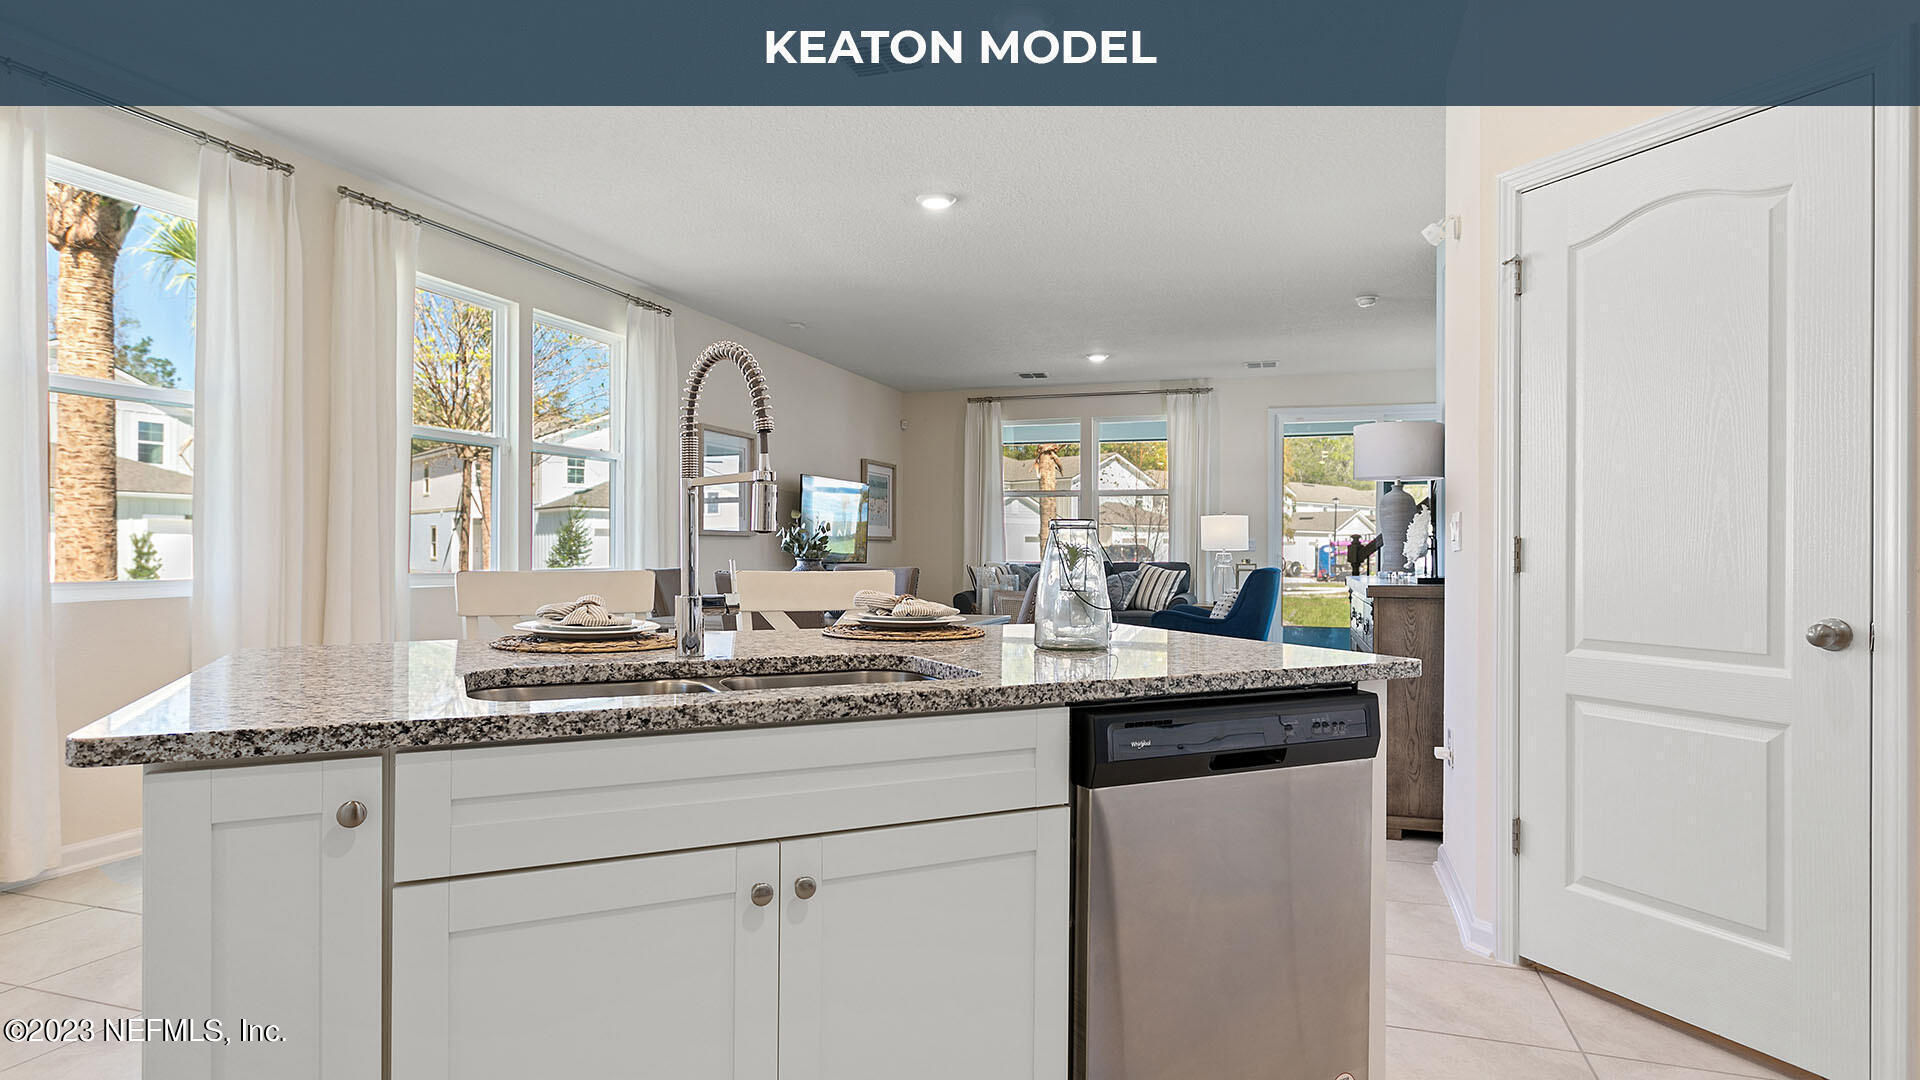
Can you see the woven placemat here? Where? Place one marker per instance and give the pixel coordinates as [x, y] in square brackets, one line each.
[863, 633]
[530, 643]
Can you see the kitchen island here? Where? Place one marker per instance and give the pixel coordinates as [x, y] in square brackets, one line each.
[435, 859]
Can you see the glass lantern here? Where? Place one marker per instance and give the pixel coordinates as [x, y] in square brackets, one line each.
[1071, 609]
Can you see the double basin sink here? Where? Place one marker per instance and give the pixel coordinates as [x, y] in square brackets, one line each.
[711, 685]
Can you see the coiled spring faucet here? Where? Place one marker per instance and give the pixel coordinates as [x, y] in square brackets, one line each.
[757, 483]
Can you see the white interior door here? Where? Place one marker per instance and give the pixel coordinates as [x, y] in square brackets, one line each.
[1695, 483]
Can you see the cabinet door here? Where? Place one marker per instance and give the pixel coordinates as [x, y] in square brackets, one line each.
[262, 907]
[660, 966]
[932, 951]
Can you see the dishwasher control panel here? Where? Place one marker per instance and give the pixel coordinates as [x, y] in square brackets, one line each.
[1166, 740]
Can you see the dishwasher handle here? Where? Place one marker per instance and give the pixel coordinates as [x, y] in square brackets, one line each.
[1264, 758]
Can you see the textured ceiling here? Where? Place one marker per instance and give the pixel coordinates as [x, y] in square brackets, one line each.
[1185, 242]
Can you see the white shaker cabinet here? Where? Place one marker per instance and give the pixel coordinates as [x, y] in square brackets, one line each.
[263, 907]
[935, 951]
[662, 965]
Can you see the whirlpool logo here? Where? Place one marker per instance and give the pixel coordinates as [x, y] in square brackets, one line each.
[1141, 744]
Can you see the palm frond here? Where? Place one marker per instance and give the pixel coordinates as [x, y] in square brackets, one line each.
[174, 244]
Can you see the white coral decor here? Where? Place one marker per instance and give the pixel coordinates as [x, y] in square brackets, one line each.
[1417, 532]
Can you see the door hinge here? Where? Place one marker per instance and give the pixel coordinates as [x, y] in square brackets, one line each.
[1516, 263]
[1516, 836]
[1516, 554]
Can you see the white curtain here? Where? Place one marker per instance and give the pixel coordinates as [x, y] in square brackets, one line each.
[1193, 481]
[984, 540]
[29, 730]
[249, 492]
[370, 398]
[650, 471]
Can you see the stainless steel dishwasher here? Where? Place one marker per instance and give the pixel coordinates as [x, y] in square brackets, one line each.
[1223, 887]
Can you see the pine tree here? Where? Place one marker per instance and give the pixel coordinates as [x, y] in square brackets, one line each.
[573, 544]
[146, 559]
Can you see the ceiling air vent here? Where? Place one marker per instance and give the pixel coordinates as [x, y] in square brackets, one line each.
[1033, 374]
[1262, 365]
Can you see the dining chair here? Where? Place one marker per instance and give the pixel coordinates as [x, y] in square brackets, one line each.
[791, 599]
[503, 597]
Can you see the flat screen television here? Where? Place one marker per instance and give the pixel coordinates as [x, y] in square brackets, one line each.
[842, 504]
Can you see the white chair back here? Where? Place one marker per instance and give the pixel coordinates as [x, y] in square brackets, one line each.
[489, 601]
[773, 593]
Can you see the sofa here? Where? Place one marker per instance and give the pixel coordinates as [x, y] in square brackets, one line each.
[968, 602]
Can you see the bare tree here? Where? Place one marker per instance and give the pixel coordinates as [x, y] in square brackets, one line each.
[86, 231]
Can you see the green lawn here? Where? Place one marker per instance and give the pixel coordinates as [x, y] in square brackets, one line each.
[1298, 610]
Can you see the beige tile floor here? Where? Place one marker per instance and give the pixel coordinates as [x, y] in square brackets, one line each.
[70, 947]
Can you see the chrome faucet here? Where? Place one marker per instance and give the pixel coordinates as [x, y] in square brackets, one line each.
[759, 489]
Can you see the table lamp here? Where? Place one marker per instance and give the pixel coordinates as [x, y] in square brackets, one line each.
[1396, 451]
[1224, 534]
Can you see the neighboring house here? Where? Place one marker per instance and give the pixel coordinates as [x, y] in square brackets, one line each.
[153, 480]
[1319, 514]
[1131, 527]
[562, 482]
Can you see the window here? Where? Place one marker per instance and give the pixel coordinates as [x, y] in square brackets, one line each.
[1132, 489]
[515, 450]
[120, 274]
[723, 452]
[1038, 458]
[457, 436]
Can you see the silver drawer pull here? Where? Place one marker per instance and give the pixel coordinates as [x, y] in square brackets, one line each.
[351, 813]
[762, 894]
[805, 887]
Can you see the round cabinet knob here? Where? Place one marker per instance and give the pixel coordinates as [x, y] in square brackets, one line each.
[351, 813]
[1832, 635]
[805, 887]
[762, 894]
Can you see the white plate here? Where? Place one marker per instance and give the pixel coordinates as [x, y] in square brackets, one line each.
[911, 620]
[585, 633]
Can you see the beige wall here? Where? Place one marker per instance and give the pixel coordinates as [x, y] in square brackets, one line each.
[931, 474]
[110, 653]
[1481, 144]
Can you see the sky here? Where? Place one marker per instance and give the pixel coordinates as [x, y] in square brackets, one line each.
[166, 315]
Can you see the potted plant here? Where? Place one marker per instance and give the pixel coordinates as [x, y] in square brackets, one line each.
[807, 541]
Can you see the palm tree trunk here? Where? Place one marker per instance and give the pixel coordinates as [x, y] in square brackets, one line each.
[85, 544]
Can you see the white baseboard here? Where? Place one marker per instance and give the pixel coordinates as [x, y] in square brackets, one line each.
[85, 855]
[1476, 935]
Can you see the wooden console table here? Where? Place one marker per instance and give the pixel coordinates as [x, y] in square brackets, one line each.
[1408, 620]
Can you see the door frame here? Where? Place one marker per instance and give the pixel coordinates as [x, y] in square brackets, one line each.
[1892, 990]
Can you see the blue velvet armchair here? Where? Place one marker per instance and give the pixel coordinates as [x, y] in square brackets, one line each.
[1251, 617]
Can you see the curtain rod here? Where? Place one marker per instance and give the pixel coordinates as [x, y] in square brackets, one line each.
[1096, 393]
[385, 207]
[244, 153]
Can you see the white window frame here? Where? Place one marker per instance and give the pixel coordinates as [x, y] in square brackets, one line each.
[1079, 495]
[1277, 421]
[166, 202]
[1099, 492]
[1090, 492]
[505, 359]
[619, 547]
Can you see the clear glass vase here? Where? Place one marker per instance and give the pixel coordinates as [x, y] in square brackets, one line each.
[1070, 605]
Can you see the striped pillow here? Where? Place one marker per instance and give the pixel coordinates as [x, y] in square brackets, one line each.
[1156, 588]
[1223, 607]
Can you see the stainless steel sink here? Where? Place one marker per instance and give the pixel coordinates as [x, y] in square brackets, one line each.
[555, 691]
[709, 685]
[820, 678]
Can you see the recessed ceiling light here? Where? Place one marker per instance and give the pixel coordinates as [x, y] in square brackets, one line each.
[797, 325]
[1366, 300]
[938, 200]
[1096, 358]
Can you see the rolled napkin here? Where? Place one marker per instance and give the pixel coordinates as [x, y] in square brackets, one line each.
[914, 606]
[879, 603]
[588, 610]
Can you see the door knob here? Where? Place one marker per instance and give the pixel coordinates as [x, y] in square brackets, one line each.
[805, 887]
[351, 813]
[1832, 635]
[762, 894]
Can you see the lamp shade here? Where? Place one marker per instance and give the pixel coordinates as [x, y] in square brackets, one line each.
[1400, 450]
[1224, 532]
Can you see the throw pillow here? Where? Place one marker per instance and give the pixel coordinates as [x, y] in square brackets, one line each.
[1120, 586]
[1223, 607]
[1156, 588]
[990, 576]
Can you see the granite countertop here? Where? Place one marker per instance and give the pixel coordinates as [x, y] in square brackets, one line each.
[268, 703]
